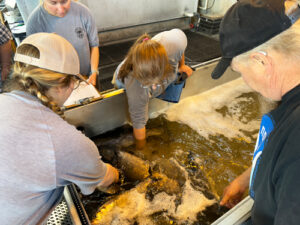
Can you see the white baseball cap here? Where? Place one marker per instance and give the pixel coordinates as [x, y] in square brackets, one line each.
[56, 54]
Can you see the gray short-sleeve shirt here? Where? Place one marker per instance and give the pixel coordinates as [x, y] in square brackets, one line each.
[77, 26]
[175, 42]
[40, 154]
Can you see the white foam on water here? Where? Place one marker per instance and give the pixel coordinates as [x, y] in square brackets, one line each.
[199, 111]
[193, 202]
[137, 208]
[133, 206]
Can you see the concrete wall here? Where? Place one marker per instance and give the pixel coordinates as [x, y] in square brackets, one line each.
[114, 14]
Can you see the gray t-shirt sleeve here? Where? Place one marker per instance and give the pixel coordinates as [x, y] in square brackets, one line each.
[31, 26]
[138, 100]
[78, 27]
[175, 43]
[90, 26]
[137, 97]
[29, 29]
[77, 158]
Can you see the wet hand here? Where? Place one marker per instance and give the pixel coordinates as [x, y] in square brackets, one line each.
[234, 193]
[111, 176]
[185, 69]
[116, 173]
[93, 79]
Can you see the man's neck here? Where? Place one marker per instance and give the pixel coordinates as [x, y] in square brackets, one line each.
[288, 74]
[290, 78]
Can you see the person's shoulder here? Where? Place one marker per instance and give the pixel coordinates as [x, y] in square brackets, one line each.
[79, 7]
[61, 130]
[79, 145]
[289, 130]
[171, 33]
[37, 12]
[291, 110]
[176, 31]
[175, 35]
[81, 11]
[174, 41]
[295, 115]
[34, 20]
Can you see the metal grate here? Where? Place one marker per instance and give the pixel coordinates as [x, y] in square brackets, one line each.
[81, 213]
[61, 215]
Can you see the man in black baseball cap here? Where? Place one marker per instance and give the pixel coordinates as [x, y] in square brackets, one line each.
[259, 43]
[246, 26]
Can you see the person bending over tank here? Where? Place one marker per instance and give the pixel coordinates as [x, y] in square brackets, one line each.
[40, 152]
[73, 21]
[261, 45]
[149, 68]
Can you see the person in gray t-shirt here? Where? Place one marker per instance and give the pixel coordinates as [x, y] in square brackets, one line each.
[73, 21]
[149, 67]
[40, 152]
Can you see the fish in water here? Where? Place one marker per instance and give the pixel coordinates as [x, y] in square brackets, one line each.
[159, 191]
[164, 193]
[132, 167]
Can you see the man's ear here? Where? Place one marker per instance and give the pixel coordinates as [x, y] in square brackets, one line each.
[259, 57]
[263, 61]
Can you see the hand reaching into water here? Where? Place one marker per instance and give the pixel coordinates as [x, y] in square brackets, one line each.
[111, 176]
[234, 192]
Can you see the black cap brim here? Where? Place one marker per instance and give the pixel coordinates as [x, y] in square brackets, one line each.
[221, 68]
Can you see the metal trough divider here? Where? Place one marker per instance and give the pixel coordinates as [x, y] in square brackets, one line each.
[238, 214]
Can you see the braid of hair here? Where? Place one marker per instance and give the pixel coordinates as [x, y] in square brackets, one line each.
[29, 85]
[35, 80]
[34, 89]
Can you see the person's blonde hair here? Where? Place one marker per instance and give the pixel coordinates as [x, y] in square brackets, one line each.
[35, 80]
[286, 43]
[146, 61]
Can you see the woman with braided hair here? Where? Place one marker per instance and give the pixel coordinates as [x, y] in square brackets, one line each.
[40, 152]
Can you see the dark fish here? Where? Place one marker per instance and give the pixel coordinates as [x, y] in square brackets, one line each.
[132, 167]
